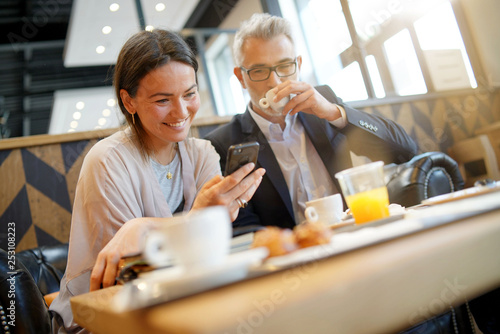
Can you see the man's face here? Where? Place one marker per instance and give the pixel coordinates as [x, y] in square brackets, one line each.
[257, 53]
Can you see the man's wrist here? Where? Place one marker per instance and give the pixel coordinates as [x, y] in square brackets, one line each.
[340, 122]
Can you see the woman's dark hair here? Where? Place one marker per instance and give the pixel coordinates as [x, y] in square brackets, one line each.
[141, 54]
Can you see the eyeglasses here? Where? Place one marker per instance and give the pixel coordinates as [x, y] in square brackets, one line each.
[263, 73]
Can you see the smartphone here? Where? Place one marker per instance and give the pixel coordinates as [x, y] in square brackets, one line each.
[241, 154]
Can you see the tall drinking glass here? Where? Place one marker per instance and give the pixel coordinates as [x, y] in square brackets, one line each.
[365, 191]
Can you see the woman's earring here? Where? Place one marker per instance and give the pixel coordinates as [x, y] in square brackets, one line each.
[133, 119]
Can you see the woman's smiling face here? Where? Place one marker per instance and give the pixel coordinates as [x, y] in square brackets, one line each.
[166, 102]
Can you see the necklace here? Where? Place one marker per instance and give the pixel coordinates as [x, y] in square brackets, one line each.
[169, 175]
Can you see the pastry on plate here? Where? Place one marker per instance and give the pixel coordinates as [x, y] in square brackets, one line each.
[278, 241]
[312, 234]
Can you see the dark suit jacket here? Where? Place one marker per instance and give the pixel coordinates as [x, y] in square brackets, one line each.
[368, 135]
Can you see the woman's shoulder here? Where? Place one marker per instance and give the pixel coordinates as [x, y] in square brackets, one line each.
[119, 144]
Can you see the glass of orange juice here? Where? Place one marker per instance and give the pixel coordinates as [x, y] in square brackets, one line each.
[365, 191]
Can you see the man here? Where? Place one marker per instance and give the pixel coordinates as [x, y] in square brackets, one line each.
[304, 146]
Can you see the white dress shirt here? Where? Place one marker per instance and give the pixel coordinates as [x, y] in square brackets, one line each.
[305, 173]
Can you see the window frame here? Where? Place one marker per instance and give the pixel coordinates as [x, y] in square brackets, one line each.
[359, 50]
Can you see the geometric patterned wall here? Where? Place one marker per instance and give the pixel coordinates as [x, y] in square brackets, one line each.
[37, 184]
[436, 124]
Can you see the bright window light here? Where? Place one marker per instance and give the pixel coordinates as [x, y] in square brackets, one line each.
[320, 18]
[348, 83]
[403, 65]
[375, 78]
[450, 68]
[237, 92]
[149, 28]
[370, 16]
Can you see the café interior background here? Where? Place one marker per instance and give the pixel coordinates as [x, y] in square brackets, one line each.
[430, 65]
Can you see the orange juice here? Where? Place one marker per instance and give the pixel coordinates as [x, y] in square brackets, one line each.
[369, 205]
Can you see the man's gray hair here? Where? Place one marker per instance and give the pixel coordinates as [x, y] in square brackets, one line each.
[260, 25]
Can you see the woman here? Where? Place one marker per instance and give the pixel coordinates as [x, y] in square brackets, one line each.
[149, 170]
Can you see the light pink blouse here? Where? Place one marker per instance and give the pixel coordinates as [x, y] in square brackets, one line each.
[116, 185]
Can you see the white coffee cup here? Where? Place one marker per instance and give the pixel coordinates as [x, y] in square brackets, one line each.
[201, 238]
[327, 209]
[269, 106]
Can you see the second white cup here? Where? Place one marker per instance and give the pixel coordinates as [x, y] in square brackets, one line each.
[327, 209]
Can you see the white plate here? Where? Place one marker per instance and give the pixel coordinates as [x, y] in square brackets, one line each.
[353, 237]
[347, 236]
[343, 242]
[167, 284]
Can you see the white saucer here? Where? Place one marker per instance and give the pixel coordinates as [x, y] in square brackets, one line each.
[167, 284]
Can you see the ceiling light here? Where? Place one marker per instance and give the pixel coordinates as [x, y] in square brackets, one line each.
[71, 130]
[160, 7]
[77, 115]
[64, 112]
[73, 124]
[114, 7]
[111, 102]
[150, 28]
[106, 30]
[80, 105]
[106, 112]
[101, 121]
[87, 21]
[100, 49]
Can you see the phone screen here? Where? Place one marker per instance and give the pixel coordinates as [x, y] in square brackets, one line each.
[241, 154]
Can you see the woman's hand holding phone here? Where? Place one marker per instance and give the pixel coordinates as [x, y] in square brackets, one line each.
[241, 154]
[236, 188]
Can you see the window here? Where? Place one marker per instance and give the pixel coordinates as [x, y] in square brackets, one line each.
[444, 50]
[328, 39]
[382, 48]
[378, 87]
[403, 64]
[363, 49]
[222, 79]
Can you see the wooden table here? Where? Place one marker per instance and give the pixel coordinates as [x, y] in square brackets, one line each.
[381, 288]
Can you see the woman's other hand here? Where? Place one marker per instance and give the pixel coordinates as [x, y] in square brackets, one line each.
[128, 240]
